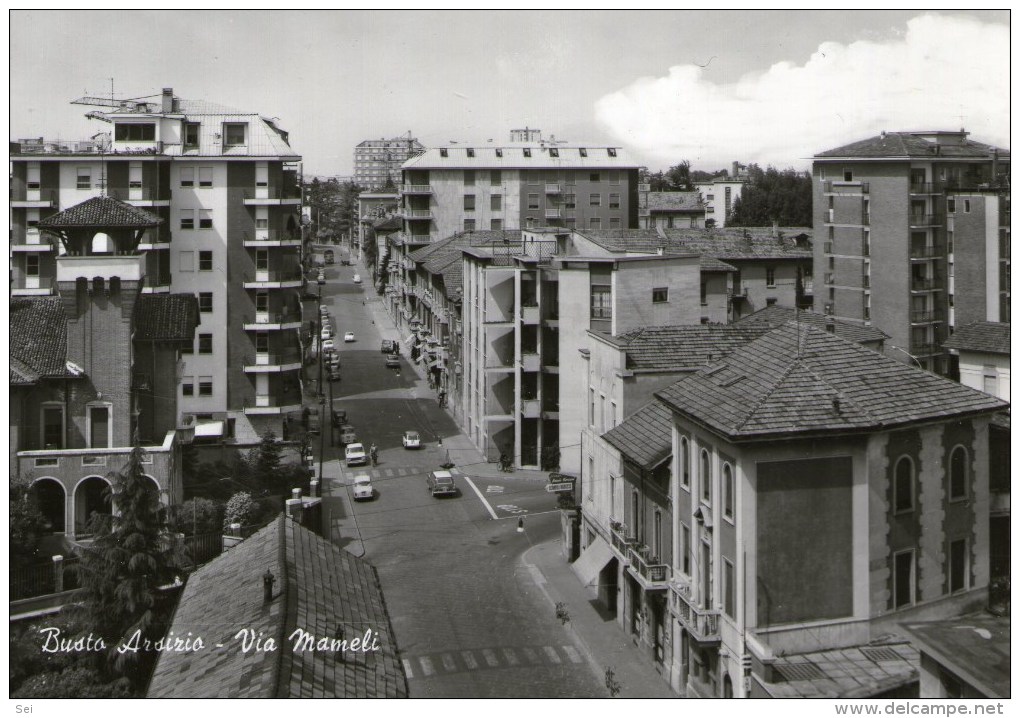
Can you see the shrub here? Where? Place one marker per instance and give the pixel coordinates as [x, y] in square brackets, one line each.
[241, 509]
[199, 516]
[73, 682]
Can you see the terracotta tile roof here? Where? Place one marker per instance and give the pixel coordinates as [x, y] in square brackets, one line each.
[37, 332]
[742, 243]
[441, 260]
[776, 316]
[908, 144]
[987, 337]
[101, 212]
[711, 264]
[319, 589]
[644, 437]
[675, 202]
[799, 380]
[682, 347]
[388, 224]
[974, 647]
[453, 280]
[166, 317]
[855, 672]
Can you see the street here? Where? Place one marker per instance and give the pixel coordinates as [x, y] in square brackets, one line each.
[470, 619]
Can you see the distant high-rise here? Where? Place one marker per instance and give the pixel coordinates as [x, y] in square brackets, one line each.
[376, 161]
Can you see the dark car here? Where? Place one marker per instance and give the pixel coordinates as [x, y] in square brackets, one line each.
[334, 373]
[389, 346]
[339, 417]
[328, 256]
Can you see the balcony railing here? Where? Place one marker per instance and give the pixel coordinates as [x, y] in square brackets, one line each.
[925, 285]
[552, 213]
[417, 189]
[831, 186]
[861, 249]
[40, 285]
[272, 194]
[261, 319]
[552, 188]
[620, 541]
[417, 239]
[417, 213]
[271, 359]
[926, 316]
[269, 404]
[271, 236]
[934, 250]
[270, 275]
[649, 571]
[925, 188]
[924, 348]
[925, 220]
[34, 198]
[739, 291]
[702, 623]
[137, 194]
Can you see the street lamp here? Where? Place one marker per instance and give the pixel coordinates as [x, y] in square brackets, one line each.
[322, 436]
[916, 361]
[318, 308]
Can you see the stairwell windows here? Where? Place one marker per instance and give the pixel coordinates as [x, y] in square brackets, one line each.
[205, 344]
[469, 203]
[187, 219]
[188, 386]
[84, 178]
[205, 219]
[205, 302]
[32, 265]
[205, 384]
[187, 176]
[205, 176]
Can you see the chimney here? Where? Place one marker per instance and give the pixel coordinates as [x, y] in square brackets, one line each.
[660, 250]
[736, 170]
[168, 99]
[883, 134]
[830, 325]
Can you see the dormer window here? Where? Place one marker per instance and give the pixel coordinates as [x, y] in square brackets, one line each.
[191, 134]
[499, 152]
[527, 152]
[134, 132]
[583, 151]
[443, 152]
[235, 134]
[611, 151]
[554, 152]
[470, 152]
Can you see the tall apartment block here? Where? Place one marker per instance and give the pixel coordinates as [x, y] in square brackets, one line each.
[527, 183]
[379, 161]
[912, 236]
[226, 185]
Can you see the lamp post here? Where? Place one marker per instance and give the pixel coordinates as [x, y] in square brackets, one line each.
[322, 436]
[916, 360]
[318, 307]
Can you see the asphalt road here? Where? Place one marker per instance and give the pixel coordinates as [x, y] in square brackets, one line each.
[470, 620]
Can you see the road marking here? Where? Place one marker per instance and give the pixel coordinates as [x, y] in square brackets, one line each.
[490, 657]
[493, 489]
[469, 659]
[530, 655]
[407, 669]
[448, 662]
[511, 657]
[553, 655]
[480, 497]
[537, 513]
[572, 654]
[511, 509]
[426, 666]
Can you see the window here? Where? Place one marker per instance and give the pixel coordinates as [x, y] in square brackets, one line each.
[594, 177]
[611, 151]
[470, 152]
[496, 223]
[495, 177]
[951, 205]
[191, 130]
[527, 152]
[261, 301]
[205, 175]
[903, 489]
[770, 277]
[582, 151]
[614, 223]
[657, 535]
[84, 178]
[99, 427]
[135, 132]
[188, 386]
[262, 342]
[53, 426]
[990, 381]
[660, 295]
[532, 201]
[570, 222]
[848, 175]
[685, 549]
[570, 201]
[614, 201]
[205, 386]
[591, 407]
[32, 265]
[205, 343]
[443, 152]
[595, 200]
[966, 206]
[469, 178]
[261, 222]
[554, 152]
[612, 414]
[205, 219]
[234, 134]
[469, 224]
[612, 493]
[469, 203]
[187, 219]
[903, 578]
[705, 476]
[205, 302]
[614, 176]
[958, 474]
[958, 565]
[496, 202]
[594, 223]
[187, 176]
[685, 463]
[704, 293]
[727, 487]
[729, 588]
[499, 153]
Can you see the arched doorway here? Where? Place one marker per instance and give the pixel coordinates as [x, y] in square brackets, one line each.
[158, 489]
[51, 500]
[91, 496]
[727, 687]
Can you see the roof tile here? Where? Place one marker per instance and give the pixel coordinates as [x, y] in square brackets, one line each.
[986, 337]
[101, 212]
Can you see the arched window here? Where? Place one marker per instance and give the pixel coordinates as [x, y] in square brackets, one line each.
[727, 488]
[705, 477]
[685, 462]
[903, 488]
[958, 473]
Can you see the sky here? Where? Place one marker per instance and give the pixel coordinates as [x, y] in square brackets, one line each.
[712, 87]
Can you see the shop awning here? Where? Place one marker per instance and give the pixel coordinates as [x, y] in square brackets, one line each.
[592, 560]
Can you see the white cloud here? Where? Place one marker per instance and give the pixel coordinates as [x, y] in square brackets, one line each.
[943, 68]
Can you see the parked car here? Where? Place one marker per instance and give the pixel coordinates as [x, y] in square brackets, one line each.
[339, 417]
[411, 440]
[321, 279]
[362, 488]
[326, 333]
[389, 346]
[349, 336]
[328, 256]
[347, 435]
[355, 454]
[334, 373]
[440, 483]
[393, 361]
[357, 279]
[323, 310]
[314, 420]
[327, 345]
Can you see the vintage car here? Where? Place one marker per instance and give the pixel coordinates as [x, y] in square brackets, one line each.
[355, 455]
[440, 483]
[362, 488]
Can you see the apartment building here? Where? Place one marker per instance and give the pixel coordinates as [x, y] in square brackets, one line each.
[912, 236]
[377, 163]
[526, 183]
[93, 368]
[226, 185]
[720, 194]
[666, 210]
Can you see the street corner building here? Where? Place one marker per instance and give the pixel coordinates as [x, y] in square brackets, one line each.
[281, 584]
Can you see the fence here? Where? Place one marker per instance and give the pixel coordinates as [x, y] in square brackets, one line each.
[41, 579]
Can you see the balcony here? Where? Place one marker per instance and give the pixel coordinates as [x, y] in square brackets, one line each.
[552, 213]
[531, 408]
[863, 220]
[701, 623]
[925, 284]
[416, 189]
[644, 212]
[416, 213]
[620, 541]
[272, 321]
[530, 361]
[140, 197]
[651, 575]
[36, 198]
[267, 363]
[863, 249]
[925, 188]
[418, 238]
[272, 196]
[838, 187]
[924, 348]
[268, 404]
[271, 238]
[32, 286]
[925, 220]
[552, 188]
[34, 241]
[928, 252]
[739, 291]
[268, 279]
[529, 314]
[926, 316]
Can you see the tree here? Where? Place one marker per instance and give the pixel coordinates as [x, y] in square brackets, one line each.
[198, 516]
[241, 509]
[27, 524]
[678, 177]
[121, 573]
[771, 195]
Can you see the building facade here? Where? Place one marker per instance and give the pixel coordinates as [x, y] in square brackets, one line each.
[377, 162]
[912, 236]
[666, 210]
[226, 185]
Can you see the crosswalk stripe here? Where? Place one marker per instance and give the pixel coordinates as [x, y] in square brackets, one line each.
[553, 655]
[530, 655]
[448, 662]
[469, 659]
[572, 653]
[426, 666]
[490, 657]
[407, 669]
[511, 657]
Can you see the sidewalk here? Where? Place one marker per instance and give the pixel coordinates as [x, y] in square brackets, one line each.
[601, 639]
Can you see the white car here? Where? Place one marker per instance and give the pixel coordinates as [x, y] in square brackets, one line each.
[349, 337]
[357, 279]
[327, 345]
[412, 440]
[355, 454]
[362, 488]
[326, 333]
[323, 310]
